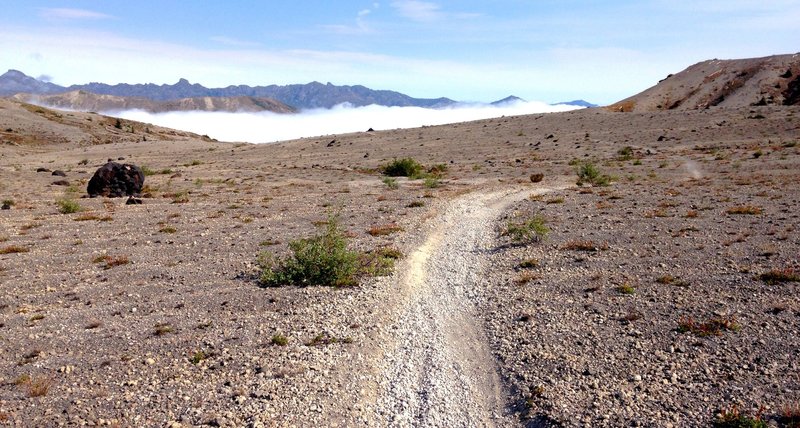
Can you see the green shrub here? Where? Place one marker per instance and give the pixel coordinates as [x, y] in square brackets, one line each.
[432, 182]
[280, 340]
[390, 182]
[320, 260]
[625, 153]
[532, 230]
[406, 167]
[68, 206]
[589, 173]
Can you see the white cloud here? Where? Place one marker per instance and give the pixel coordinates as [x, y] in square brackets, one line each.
[56, 13]
[416, 10]
[271, 127]
[230, 41]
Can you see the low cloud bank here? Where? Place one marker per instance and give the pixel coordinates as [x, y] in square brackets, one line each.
[270, 127]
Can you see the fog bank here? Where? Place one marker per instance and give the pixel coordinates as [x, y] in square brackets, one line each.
[270, 127]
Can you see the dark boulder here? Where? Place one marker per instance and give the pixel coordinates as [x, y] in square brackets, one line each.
[116, 180]
[42, 169]
[59, 173]
[61, 183]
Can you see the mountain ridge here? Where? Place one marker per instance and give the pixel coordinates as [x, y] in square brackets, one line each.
[299, 96]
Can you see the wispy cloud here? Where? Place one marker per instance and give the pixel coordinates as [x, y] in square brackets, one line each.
[230, 41]
[421, 11]
[359, 27]
[58, 13]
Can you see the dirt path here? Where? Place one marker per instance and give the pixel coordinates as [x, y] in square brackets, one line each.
[439, 370]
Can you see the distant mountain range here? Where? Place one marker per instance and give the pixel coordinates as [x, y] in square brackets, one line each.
[187, 96]
[307, 96]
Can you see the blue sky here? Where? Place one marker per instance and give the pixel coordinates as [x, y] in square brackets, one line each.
[548, 50]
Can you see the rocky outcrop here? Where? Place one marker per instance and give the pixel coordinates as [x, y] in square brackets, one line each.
[116, 180]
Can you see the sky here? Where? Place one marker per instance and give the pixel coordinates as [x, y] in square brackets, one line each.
[467, 50]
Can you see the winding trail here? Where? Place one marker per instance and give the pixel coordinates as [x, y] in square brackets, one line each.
[438, 370]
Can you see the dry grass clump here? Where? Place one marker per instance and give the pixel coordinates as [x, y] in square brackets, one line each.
[111, 261]
[780, 275]
[14, 249]
[34, 386]
[385, 229]
[744, 210]
[711, 327]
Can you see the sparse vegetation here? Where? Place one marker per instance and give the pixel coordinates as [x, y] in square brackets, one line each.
[589, 173]
[198, 357]
[323, 259]
[279, 339]
[161, 329]
[711, 327]
[111, 261]
[390, 182]
[532, 230]
[14, 249]
[734, 418]
[34, 386]
[406, 167]
[168, 229]
[431, 182]
[625, 153]
[415, 204]
[384, 229]
[744, 210]
[529, 264]
[780, 275]
[626, 288]
[68, 206]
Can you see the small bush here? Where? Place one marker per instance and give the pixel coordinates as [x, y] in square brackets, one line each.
[280, 340]
[197, 357]
[625, 153]
[68, 206]
[532, 230]
[406, 167]
[161, 329]
[529, 264]
[416, 204]
[589, 173]
[379, 262]
[537, 177]
[626, 289]
[432, 182]
[320, 260]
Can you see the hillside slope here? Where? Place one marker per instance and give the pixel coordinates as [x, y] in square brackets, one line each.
[726, 83]
[87, 101]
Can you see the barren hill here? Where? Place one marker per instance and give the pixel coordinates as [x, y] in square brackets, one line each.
[664, 295]
[726, 83]
[87, 101]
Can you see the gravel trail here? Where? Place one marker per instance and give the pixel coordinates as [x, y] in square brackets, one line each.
[439, 370]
